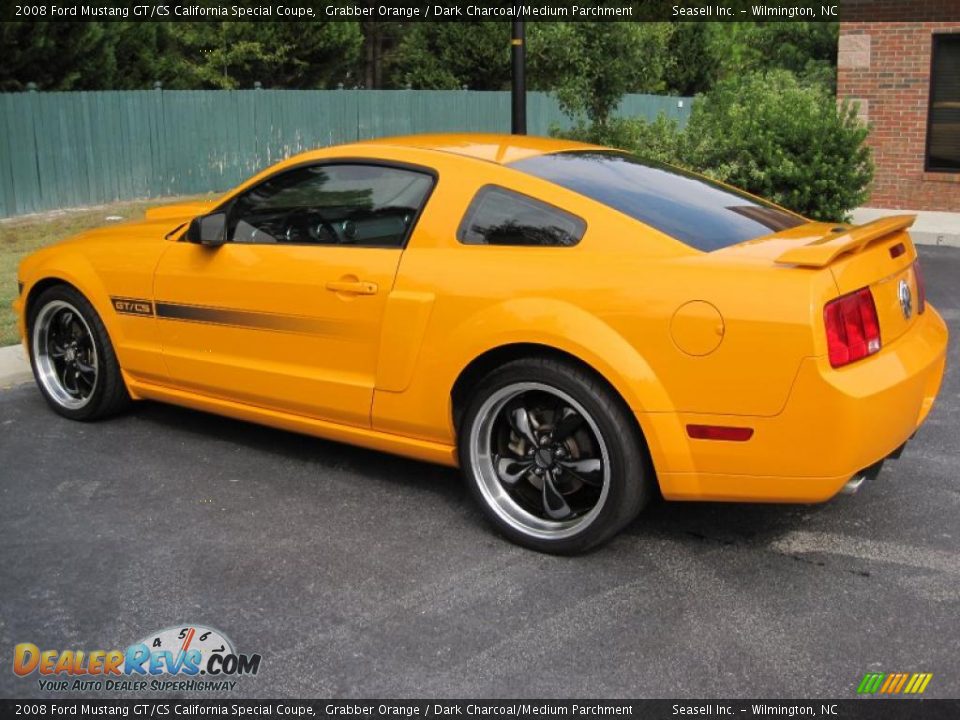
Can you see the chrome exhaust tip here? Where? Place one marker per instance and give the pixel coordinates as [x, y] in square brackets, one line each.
[854, 483]
[859, 478]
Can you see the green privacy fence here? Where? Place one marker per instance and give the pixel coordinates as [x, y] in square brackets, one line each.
[80, 148]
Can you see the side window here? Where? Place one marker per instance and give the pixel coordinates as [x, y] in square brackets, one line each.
[339, 204]
[498, 216]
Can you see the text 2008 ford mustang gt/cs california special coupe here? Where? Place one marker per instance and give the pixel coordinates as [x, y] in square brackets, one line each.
[573, 326]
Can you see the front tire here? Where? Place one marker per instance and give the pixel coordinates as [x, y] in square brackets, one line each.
[72, 358]
[553, 456]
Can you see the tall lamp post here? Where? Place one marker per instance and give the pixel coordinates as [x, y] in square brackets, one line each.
[518, 95]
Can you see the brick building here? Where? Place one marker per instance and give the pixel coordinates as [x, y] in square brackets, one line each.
[901, 62]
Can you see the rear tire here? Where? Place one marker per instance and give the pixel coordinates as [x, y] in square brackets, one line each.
[553, 456]
[72, 358]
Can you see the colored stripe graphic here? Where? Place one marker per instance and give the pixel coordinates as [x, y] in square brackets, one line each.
[894, 683]
[914, 683]
[919, 684]
[899, 686]
[888, 683]
[870, 683]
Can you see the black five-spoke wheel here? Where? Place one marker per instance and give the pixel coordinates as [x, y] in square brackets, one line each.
[72, 357]
[65, 354]
[540, 457]
[541, 446]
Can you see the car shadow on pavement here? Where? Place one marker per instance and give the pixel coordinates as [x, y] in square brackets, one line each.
[305, 448]
[730, 524]
[738, 524]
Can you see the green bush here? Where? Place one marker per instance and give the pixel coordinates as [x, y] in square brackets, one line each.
[778, 138]
[767, 133]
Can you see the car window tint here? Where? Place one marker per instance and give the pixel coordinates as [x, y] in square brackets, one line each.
[497, 216]
[361, 205]
[697, 211]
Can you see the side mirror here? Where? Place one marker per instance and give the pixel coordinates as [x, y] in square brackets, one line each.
[210, 230]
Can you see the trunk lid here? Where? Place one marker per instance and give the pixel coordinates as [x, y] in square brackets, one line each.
[892, 281]
[878, 255]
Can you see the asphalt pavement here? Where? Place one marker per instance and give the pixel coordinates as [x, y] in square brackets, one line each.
[354, 573]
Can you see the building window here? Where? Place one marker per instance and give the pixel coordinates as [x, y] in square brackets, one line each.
[943, 130]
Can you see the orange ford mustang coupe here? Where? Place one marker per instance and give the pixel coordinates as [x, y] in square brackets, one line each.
[575, 327]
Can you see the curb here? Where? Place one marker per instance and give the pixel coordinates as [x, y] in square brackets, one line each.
[14, 366]
[931, 227]
[932, 238]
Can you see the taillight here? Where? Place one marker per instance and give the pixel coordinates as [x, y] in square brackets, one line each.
[921, 287]
[853, 331]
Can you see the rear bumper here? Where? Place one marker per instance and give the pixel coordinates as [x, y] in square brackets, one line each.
[835, 423]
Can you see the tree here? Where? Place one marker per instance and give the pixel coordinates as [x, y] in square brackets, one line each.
[808, 49]
[56, 55]
[694, 59]
[277, 54]
[446, 55]
[142, 53]
[591, 65]
[379, 42]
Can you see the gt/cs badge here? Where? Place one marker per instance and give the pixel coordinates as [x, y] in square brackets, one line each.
[132, 306]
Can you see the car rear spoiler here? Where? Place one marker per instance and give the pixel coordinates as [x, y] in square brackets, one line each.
[824, 250]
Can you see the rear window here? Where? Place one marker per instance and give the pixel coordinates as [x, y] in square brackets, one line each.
[692, 209]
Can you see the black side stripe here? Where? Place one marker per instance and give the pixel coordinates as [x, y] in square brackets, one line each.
[251, 319]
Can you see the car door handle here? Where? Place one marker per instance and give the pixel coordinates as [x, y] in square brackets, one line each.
[353, 287]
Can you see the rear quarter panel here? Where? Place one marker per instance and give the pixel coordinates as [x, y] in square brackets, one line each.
[608, 301]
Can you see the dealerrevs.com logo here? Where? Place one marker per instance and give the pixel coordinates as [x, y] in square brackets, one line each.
[185, 658]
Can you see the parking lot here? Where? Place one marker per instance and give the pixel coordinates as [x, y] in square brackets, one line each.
[359, 574]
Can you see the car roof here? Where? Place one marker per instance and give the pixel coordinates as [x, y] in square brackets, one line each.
[496, 148]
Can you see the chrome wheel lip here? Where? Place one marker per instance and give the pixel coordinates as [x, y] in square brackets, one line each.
[497, 498]
[44, 364]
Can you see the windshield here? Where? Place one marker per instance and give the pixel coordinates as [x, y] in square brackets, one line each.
[697, 211]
